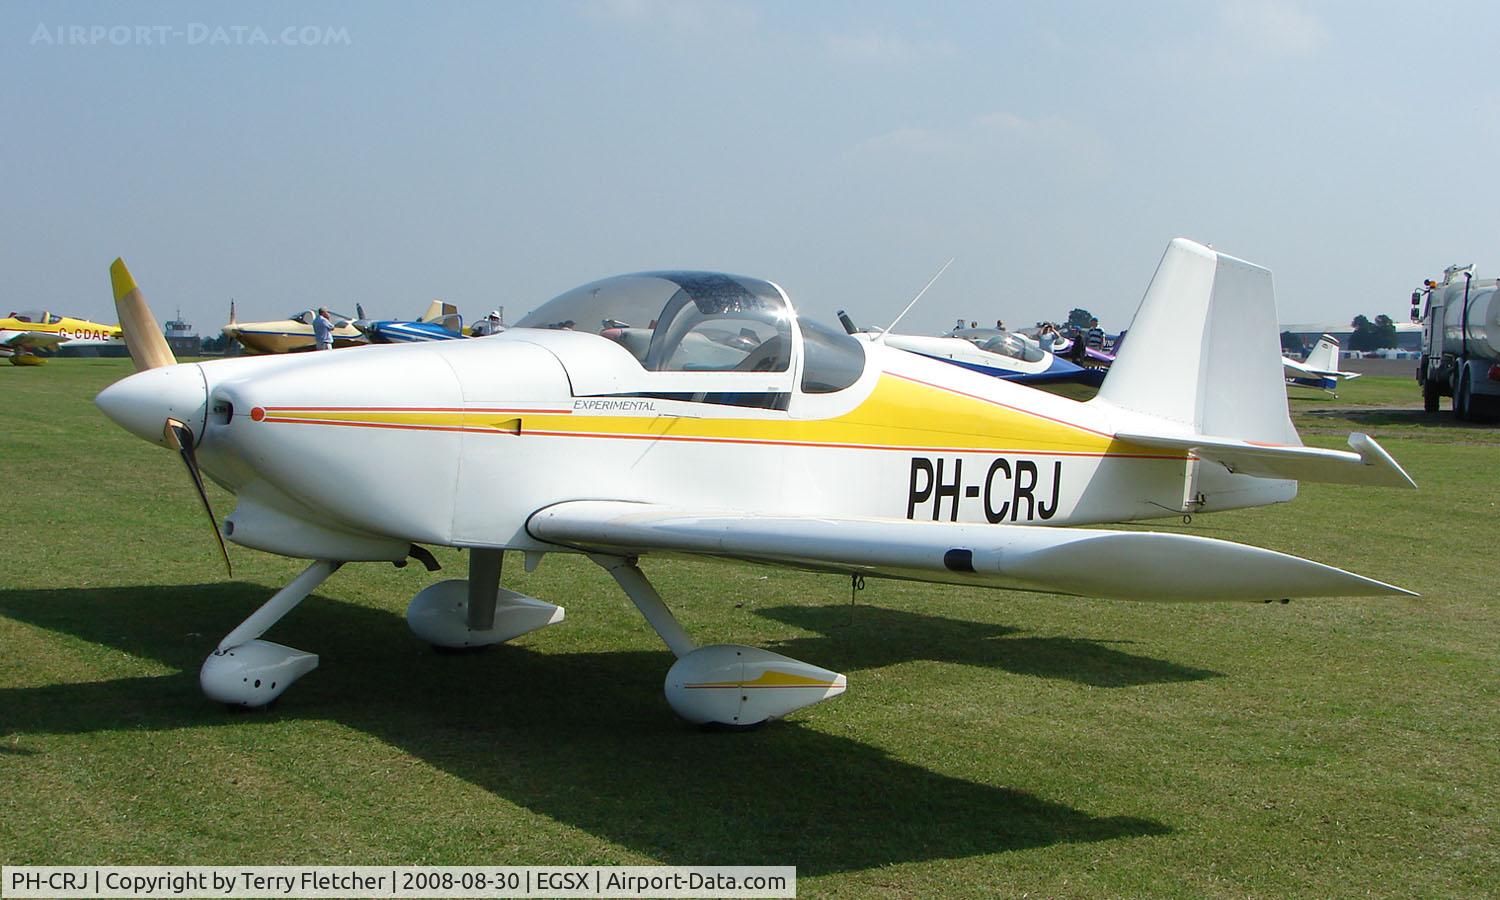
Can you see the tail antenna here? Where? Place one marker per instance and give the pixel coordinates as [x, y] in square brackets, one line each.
[881, 337]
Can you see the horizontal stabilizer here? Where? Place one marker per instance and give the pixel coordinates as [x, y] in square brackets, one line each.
[1367, 464]
[1126, 565]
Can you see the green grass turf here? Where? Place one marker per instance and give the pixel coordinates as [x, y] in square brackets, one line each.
[990, 742]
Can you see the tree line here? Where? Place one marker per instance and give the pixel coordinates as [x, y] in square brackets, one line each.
[1367, 335]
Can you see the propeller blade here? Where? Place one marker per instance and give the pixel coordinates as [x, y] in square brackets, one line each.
[180, 438]
[144, 338]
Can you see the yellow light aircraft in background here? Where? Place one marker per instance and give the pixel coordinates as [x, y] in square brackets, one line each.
[290, 335]
[21, 333]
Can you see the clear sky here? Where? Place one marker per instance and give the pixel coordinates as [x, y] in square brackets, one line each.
[499, 153]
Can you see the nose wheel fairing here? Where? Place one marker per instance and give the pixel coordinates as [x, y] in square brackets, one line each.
[253, 673]
[246, 671]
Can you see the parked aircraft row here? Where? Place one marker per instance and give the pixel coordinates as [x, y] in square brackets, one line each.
[293, 334]
[1003, 354]
[1010, 355]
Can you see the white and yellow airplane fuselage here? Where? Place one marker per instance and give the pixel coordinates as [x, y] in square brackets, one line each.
[763, 439]
[20, 335]
[499, 435]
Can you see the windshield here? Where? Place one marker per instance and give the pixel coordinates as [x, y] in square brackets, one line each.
[307, 315]
[681, 321]
[1014, 346]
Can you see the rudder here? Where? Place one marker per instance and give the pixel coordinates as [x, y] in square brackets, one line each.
[1325, 356]
[1203, 349]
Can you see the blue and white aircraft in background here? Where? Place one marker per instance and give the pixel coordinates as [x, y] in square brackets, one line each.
[991, 351]
[441, 322]
[1321, 368]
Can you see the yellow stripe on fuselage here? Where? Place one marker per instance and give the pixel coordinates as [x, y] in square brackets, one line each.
[899, 414]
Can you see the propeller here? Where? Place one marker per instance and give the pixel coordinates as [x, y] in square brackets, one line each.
[180, 438]
[143, 337]
[148, 348]
[363, 325]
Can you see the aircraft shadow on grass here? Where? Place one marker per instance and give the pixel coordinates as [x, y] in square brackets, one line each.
[867, 637]
[582, 738]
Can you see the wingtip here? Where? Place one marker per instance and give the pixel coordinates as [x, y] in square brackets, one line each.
[1375, 455]
[121, 279]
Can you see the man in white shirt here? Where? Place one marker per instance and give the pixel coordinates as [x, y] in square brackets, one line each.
[322, 330]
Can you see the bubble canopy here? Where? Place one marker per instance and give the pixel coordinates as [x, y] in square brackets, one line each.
[704, 322]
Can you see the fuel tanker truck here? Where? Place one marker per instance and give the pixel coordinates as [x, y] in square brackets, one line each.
[1460, 318]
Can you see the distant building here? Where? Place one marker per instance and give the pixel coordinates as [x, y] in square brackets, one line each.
[181, 339]
[1408, 334]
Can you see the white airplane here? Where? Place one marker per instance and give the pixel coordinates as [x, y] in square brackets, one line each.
[990, 351]
[1320, 370]
[694, 414]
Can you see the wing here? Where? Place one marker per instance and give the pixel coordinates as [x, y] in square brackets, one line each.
[34, 339]
[1126, 565]
[1367, 464]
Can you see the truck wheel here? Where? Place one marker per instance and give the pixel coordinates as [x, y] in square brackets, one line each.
[1483, 407]
[1430, 396]
[1462, 402]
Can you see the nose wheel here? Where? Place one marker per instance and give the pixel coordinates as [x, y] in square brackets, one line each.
[246, 671]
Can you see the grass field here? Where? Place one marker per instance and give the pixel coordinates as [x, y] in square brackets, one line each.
[991, 743]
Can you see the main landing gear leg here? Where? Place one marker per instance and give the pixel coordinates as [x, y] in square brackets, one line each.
[722, 684]
[478, 612]
[246, 671]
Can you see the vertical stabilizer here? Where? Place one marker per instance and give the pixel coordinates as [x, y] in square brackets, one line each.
[1325, 356]
[1204, 351]
[437, 310]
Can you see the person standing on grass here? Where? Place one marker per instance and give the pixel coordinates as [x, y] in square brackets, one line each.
[322, 330]
[1093, 339]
